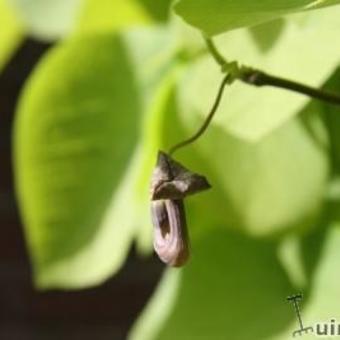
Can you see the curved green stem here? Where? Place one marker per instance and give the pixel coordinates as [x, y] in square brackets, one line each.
[201, 130]
[215, 53]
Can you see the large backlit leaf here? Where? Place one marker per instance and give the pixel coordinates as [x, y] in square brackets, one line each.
[110, 15]
[235, 288]
[322, 291]
[75, 138]
[159, 10]
[114, 15]
[250, 112]
[217, 16]
[322, 304]
[230, 281]
[11, 32]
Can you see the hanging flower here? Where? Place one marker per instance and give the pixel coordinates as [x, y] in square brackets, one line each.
[171, 182]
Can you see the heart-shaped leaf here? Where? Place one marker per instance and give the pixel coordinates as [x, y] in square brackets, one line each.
[236, 288]
[217, 16]
[75, 138]
[228, 281]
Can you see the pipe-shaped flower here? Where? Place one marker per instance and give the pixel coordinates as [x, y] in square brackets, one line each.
[170, 184]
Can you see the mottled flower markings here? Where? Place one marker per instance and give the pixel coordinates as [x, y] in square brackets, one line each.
[171, 182]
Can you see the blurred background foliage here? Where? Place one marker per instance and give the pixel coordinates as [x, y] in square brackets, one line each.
[126, 78]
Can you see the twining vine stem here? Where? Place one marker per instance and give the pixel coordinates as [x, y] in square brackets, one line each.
[254, 77]
[207, 121]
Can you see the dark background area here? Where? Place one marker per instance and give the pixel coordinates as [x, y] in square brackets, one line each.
[104, 312]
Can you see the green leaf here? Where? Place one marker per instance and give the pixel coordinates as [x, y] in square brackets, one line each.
[160, 10]
[11, 33]
[233, 288]
[116, 15]
[217, 16]
[331, 115]
[322, 305]
[110, 15]
[249, 112]
[47, 19]
[322, 293]
[268, 186]
[75, 138]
